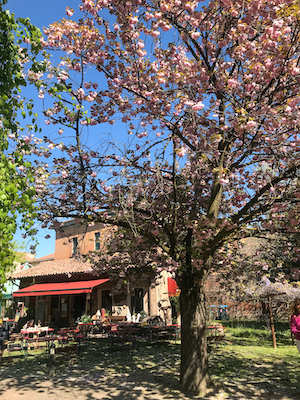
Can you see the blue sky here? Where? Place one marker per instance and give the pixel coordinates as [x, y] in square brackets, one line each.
[41, 13]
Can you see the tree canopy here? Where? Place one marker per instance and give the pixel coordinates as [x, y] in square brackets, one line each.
[208, 94]
[17, 207]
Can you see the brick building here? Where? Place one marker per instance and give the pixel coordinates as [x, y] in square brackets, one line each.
[59, 288]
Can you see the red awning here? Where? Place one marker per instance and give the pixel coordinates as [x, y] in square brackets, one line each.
[53, 289]
[173, 288]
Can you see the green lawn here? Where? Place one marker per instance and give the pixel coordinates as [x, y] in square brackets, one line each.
[250, 356]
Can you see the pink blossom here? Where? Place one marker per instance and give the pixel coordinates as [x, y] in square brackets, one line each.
[155, 34]
[77, 67]
[197, 106]
[250, 125]
[133, 20]
[69, 11]
[287, 30]
[295, 71]
[27, 139]
[232, 83]
[195, 35]
[224, 181]
[63, 76]
[157, 15]
[155, 232]
[80, 93]
[288, 109]
[164, 7]
[269, 63]
[277, 24]
[181, 152]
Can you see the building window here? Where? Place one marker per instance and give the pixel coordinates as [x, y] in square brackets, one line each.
[74, 246]
[107, 301]
[137, 301]
[97, 241]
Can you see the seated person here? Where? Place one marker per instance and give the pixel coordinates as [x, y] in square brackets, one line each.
[30, 324]
[3, 337]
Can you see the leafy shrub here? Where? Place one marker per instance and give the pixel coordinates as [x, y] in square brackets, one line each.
[84, 319]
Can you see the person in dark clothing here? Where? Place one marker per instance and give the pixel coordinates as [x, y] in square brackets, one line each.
[3, 338]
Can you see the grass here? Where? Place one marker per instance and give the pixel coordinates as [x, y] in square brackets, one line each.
[251, 358]
[248, 359]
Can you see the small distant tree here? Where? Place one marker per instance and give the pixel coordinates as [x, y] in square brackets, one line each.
[17, 204]
[209, 96]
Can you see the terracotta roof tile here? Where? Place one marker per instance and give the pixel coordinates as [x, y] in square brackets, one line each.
[47, 268]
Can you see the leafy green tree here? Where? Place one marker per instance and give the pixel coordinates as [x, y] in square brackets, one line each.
[17, 206]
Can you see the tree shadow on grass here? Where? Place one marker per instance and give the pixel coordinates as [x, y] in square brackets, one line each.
[254, 378]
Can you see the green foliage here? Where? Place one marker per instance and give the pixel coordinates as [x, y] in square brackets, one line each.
[175, 300]
[17, 192]
[84, 319]
[250, 333]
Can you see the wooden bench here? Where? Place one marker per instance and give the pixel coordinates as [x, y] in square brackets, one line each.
[124, 334]
[12, 346]
[164, 332]
[23, 344]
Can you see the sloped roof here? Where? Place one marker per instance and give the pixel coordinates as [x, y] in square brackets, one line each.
[48, 268]
[47, 257]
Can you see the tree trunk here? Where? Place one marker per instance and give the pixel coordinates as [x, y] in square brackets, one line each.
[194, 373]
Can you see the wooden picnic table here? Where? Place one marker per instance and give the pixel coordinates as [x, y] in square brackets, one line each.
[124, 333]
[164, 332]
[35, 335]
[85, 328]
[215, 335]
[32, 338]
